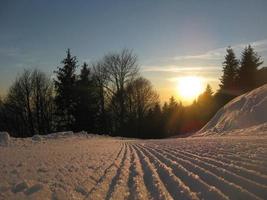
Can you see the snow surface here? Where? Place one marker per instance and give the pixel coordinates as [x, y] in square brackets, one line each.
[67, 165]
[244, 115]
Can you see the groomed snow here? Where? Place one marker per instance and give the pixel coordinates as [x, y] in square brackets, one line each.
[65, 166]
[244, 115]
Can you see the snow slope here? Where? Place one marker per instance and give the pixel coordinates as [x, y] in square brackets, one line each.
[89, 167]
[246, 114]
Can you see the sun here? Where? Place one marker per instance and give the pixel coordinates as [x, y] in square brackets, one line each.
[190, 87]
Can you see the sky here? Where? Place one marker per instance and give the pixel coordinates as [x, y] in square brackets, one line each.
[171, 38]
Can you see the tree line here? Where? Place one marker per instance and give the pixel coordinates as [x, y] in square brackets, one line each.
[110, 97]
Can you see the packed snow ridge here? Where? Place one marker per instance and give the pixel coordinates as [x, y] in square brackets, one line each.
[77, 167]
[244, 115]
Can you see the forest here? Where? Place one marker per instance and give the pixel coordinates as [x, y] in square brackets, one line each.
[111, 97]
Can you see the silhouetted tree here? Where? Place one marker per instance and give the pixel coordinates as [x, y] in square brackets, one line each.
[154, 125]
[206, 105]
[229, 81]
[206, 96]
[100, 79]
[65, 98]
[121, 68]
[140, 98]
[230, 70]
[43, 102]
[247, 75]
[28, 108]
[172, 117]
[86, 102]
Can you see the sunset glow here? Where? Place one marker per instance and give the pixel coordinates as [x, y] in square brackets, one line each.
[190, 87]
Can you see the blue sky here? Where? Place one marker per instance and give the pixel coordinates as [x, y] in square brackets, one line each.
[171, 38]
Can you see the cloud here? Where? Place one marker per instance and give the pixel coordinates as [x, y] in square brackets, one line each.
[208, 62]
[175, 69]
[260, 45]
[210, 55]
[206, 79]
[218, 54]
[10, 51]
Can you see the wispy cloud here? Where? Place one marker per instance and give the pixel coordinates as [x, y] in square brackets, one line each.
[208, 61]
[175, 69]
[217, 54]
[9, 51]
[210, 55]
[206, 79]
[260, 45]
[18, 58]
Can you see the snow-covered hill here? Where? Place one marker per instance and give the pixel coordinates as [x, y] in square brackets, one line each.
[246, 114]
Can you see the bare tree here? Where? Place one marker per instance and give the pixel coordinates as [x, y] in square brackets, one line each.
[100, 78]
[19, 102]
[141, 97]
[121, 69]
[42, 101]
[28, 107]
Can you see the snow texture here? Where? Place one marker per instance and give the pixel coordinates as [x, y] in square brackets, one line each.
[79, 166]
[244, 115]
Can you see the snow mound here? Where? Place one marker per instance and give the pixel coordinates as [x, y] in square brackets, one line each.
[37, 137]
[4, 139]
[67, 134]
[246, 114]
[59, 135]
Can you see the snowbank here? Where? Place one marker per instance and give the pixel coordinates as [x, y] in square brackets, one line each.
[67, 134]
[241, 115]
[4, 139]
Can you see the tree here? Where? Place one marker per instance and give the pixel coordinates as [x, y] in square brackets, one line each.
[28, 107]
[229, 77]
[172, 117]
[247, 74]
[100, 79]
[206, 97]
[206, 105]
[65, 98]
[43, 102]
[85, 112]
[154, 124]
[121, 68]
[140, 98]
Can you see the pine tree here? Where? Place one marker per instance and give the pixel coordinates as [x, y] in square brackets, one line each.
[205, 105]
[250, 61]
[206, 97]
[171, 113]
[154, 125]
[230, 69]
[86, 98]
[208, 92]
[65, 92]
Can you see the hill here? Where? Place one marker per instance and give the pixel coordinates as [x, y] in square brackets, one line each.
[246, 115]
